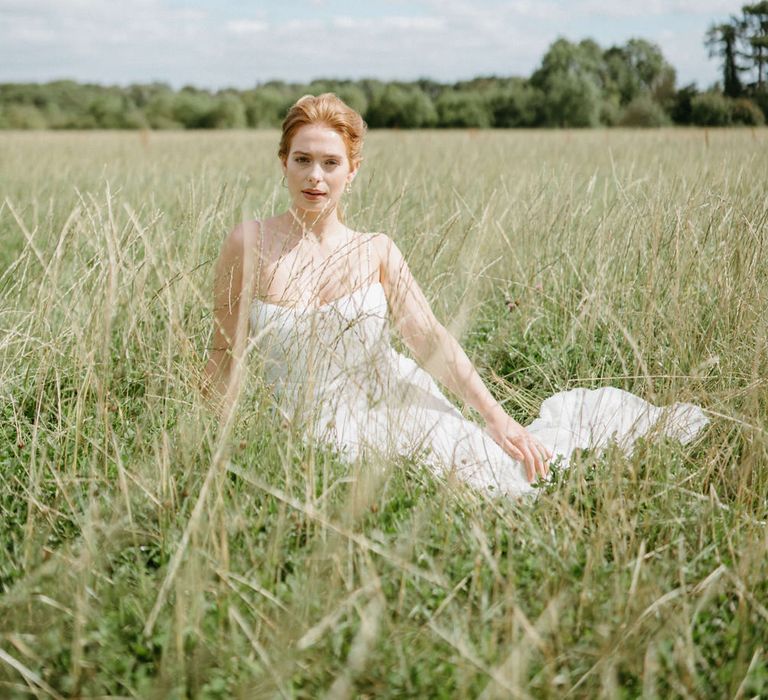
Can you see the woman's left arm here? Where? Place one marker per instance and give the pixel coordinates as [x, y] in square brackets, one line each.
[442, 356]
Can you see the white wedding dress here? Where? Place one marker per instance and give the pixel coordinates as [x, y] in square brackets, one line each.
[334, 371]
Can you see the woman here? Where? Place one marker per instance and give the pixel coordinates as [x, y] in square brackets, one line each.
[317, 298]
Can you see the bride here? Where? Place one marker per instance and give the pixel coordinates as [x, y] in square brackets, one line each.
[315, 300]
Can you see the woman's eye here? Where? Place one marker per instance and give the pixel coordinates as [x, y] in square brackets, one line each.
[332, 162]
[301, 159]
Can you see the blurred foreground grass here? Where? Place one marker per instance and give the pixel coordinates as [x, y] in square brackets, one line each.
[145, 555]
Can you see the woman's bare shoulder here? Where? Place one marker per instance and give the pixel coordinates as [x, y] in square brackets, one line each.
[387, 256]
[243, 235]
[381, 242]
[255, 236]
[386, 249]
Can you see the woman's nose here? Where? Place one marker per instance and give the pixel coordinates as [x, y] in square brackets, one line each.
[315, 172]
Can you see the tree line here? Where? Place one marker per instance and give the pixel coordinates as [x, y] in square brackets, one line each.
[577, 84]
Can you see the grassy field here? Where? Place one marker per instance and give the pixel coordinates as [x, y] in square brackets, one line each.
[148, 554]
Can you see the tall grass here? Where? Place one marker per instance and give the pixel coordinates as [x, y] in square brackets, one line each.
[148, 553]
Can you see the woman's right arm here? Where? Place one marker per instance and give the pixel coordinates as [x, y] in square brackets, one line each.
[233, 288]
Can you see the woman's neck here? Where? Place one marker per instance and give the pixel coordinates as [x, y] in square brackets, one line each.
[317, 226]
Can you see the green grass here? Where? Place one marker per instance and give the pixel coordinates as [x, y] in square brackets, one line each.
[147, 555]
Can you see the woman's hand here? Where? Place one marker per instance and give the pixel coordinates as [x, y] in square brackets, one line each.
[517, 442]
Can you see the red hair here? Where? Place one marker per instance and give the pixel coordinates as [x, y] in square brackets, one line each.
[329, 110]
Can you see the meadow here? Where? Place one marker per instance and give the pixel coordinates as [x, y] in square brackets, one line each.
[149, 552]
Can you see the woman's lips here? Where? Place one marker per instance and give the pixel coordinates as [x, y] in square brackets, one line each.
[313, 194]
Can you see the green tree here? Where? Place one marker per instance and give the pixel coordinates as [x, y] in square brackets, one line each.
[681, 109]
[266, 105]
[515, 105]
[463, 109]
[571, 78]
[193, 108]
[114, 110]
[401, 106]
[430, 88]
[227, 113]
[647, 62]
[722, 40]
[623, 85]
[159, 112]
[638, 69]
[142, 94]
[742, 44]
[755, 25]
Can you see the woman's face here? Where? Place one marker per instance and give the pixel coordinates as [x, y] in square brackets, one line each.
[317, 168]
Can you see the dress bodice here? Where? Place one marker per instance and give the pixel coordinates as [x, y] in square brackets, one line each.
[316, 353]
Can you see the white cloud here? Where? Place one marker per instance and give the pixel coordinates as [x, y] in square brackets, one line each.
[650, 8]
[76, 20]
[448, 40]
[246, 26]
[378, 24]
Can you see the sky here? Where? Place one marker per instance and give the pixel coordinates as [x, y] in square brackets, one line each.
[241, 43]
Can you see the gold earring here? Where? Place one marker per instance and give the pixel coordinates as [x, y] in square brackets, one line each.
[282, 182]
[348, 188]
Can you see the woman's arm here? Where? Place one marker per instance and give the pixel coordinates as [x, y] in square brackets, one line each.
[442, 356]
[233, 288]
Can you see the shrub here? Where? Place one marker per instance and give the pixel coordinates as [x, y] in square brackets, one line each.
[159, 112]
[228, 113]
[266, 106]
[398, 106]
[610, 113]
[681, 105]
[193, 108]
[462, 110]
[760, 98]
[744, 111]
[711, 109]
[22, 116]
[515, 106]
[643, 112]
[112, 111]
